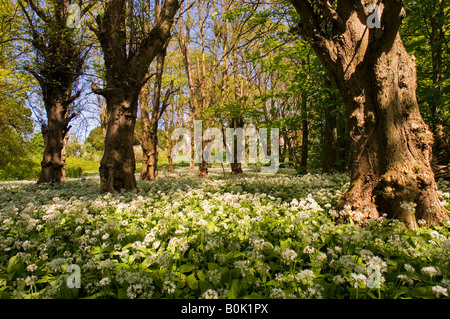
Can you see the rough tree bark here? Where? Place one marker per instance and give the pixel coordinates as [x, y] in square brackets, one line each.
[126, 66]
[150, 123]
[390, 146]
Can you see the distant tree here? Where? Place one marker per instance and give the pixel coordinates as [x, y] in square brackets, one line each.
[73, 147]
[96, 139]
[36, 144]
[15, 125]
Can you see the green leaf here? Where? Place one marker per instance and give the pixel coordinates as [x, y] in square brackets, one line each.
[286, 244]
[212, 266]
[234, 289]
[13, 265]
[192, 282]
[186, 268]
[201, 274]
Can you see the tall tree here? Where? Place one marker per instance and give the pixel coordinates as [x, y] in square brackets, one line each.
[59, 59]
[390, 146]
[128, 51]
[150, 118]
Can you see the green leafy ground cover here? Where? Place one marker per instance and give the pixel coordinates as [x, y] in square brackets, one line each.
[250, 236]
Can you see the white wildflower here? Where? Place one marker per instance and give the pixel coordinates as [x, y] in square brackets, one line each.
[288, 255]
[405, 280]
[210, 294]
[309, 250]
[430, 271]
[243, 266]
[305, 276]
[277, 293]
[104, 281]
[214, 276]
[409, 268]
[32, 267]
[439, 290]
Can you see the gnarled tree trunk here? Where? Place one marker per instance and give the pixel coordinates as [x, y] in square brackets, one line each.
[54, 133]
[118, 165]
[390, 147]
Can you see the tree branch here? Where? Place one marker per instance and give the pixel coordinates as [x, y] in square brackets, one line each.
[70, 100]
[392, 18]
[97, 90]
[170, 91]
[36, 75]
[38, 41]
[309, 25]
[156, 38]
[39, 12]
[332, 14]
[88, 7]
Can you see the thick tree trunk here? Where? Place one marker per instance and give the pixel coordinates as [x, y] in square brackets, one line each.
[61, 59]
[118, 165]
[54, 133]
[236, 168]
[144, 100]
[203, 165]
[126, 65]
[150, 152]
[390, 147]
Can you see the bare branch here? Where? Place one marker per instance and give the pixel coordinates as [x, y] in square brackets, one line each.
[97, 90]
[71, 99]
[146, 79]
[38, 11]
[169, 92]
[392, 17]
[88, 7]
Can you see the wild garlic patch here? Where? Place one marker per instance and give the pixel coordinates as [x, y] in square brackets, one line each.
[244, 236]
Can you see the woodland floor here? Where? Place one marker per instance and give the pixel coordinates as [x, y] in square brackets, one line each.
[248, 236]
